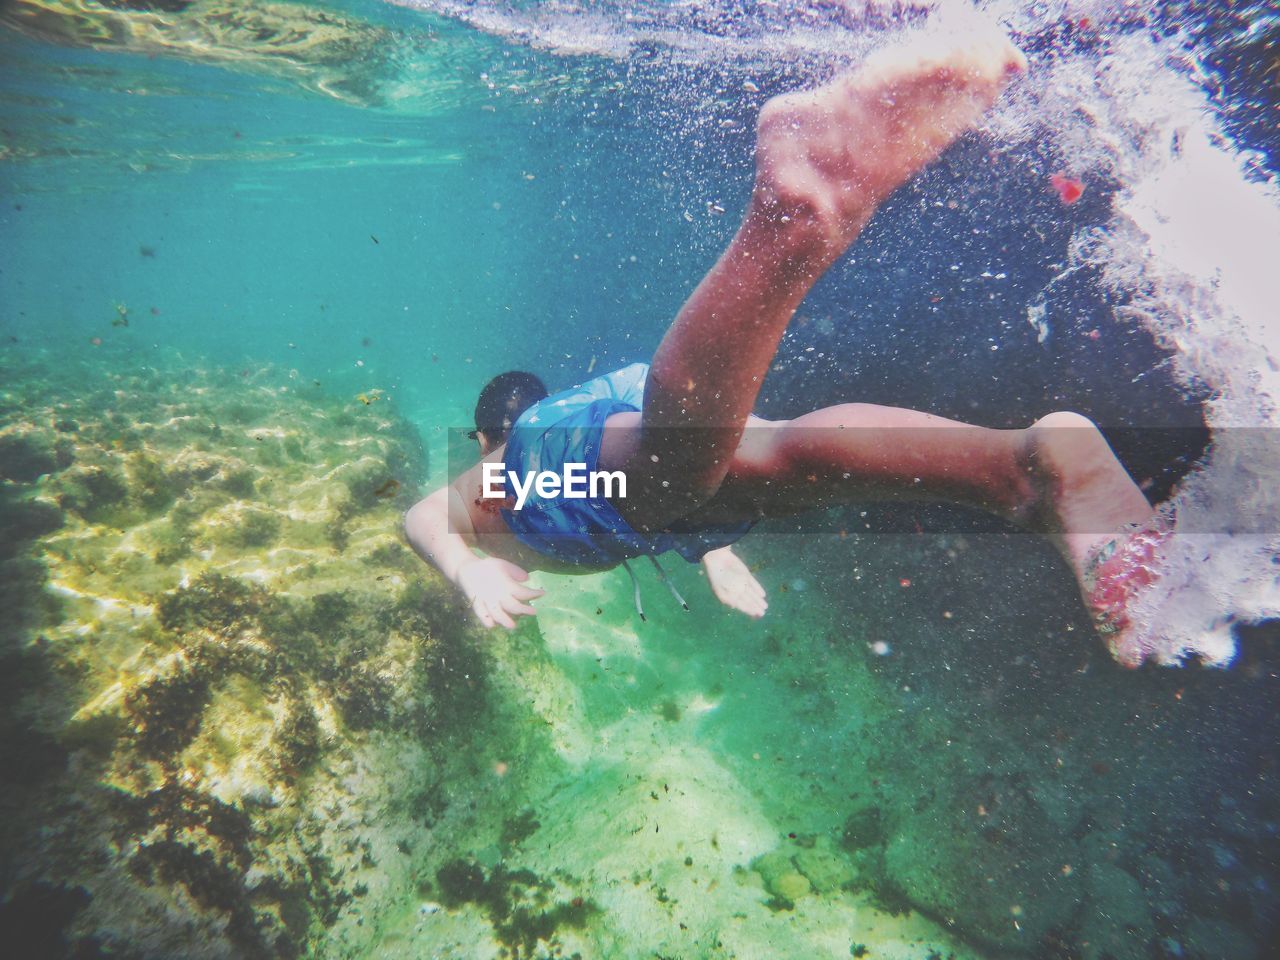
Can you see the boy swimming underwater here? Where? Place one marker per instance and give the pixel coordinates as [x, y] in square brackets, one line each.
[697, 478]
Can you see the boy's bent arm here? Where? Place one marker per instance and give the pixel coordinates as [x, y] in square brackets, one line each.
[432, 536]
[494, 587]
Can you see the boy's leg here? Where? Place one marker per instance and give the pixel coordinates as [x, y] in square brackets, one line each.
[825, 160]
[1059, 477]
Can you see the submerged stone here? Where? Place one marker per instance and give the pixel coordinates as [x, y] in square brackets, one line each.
[999, 881]
[825, 868]
[25, 456]
[791, 885]
[228, 704]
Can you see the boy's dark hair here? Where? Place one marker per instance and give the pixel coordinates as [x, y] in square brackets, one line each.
[503, 399]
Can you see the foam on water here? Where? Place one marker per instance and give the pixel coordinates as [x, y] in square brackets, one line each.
[1187, 253]
[685, 31]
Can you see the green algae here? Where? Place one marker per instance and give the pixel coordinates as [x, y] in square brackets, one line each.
[166, 710]
[862, 829]
[150, 484]
[170, 543]
[297, 740]
[518, 828]
[239, 481]
[246, 528]
[23, 519]
[670, 711]
[215, 603]
[519, 904]
[97, 494]
[25, 456]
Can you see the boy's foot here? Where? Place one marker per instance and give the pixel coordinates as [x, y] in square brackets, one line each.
[1118, 570]
[826, 158]
[1100, 520]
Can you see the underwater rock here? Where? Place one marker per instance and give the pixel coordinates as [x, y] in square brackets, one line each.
[35, 917]
[791, 885]
[1118, 924]
[26, 456]
[228, 715]
[1162, 885]
[93, 492]
[824, 867]
[773, 867]
[790, 875]
[243, 526]
[998, 879]
[863, 828]
[97, 724]
[1209, 938]
[25, 519]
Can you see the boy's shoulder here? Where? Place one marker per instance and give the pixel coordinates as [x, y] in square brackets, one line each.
[482, 514]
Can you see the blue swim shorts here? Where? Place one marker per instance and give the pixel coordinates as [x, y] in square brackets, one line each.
[566, 428]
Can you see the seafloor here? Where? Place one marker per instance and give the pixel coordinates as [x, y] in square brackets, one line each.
[241, 719]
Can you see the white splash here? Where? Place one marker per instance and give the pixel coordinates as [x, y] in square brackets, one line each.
[1190, 249]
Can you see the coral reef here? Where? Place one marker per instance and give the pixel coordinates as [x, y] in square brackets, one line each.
[214, 705]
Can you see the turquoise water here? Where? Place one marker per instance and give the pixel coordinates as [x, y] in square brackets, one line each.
[242, 719]
[488, 215]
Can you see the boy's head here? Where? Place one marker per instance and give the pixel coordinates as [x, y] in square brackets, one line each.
[501, 402]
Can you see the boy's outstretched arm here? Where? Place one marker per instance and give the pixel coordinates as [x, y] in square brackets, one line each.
[494, 587]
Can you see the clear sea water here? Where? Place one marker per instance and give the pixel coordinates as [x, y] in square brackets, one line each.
[352, 196]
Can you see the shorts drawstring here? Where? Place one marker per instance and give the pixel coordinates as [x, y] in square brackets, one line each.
[662, 575]
[635, 583]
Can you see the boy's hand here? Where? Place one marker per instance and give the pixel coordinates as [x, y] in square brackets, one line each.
[496, 590]
[733, 584]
